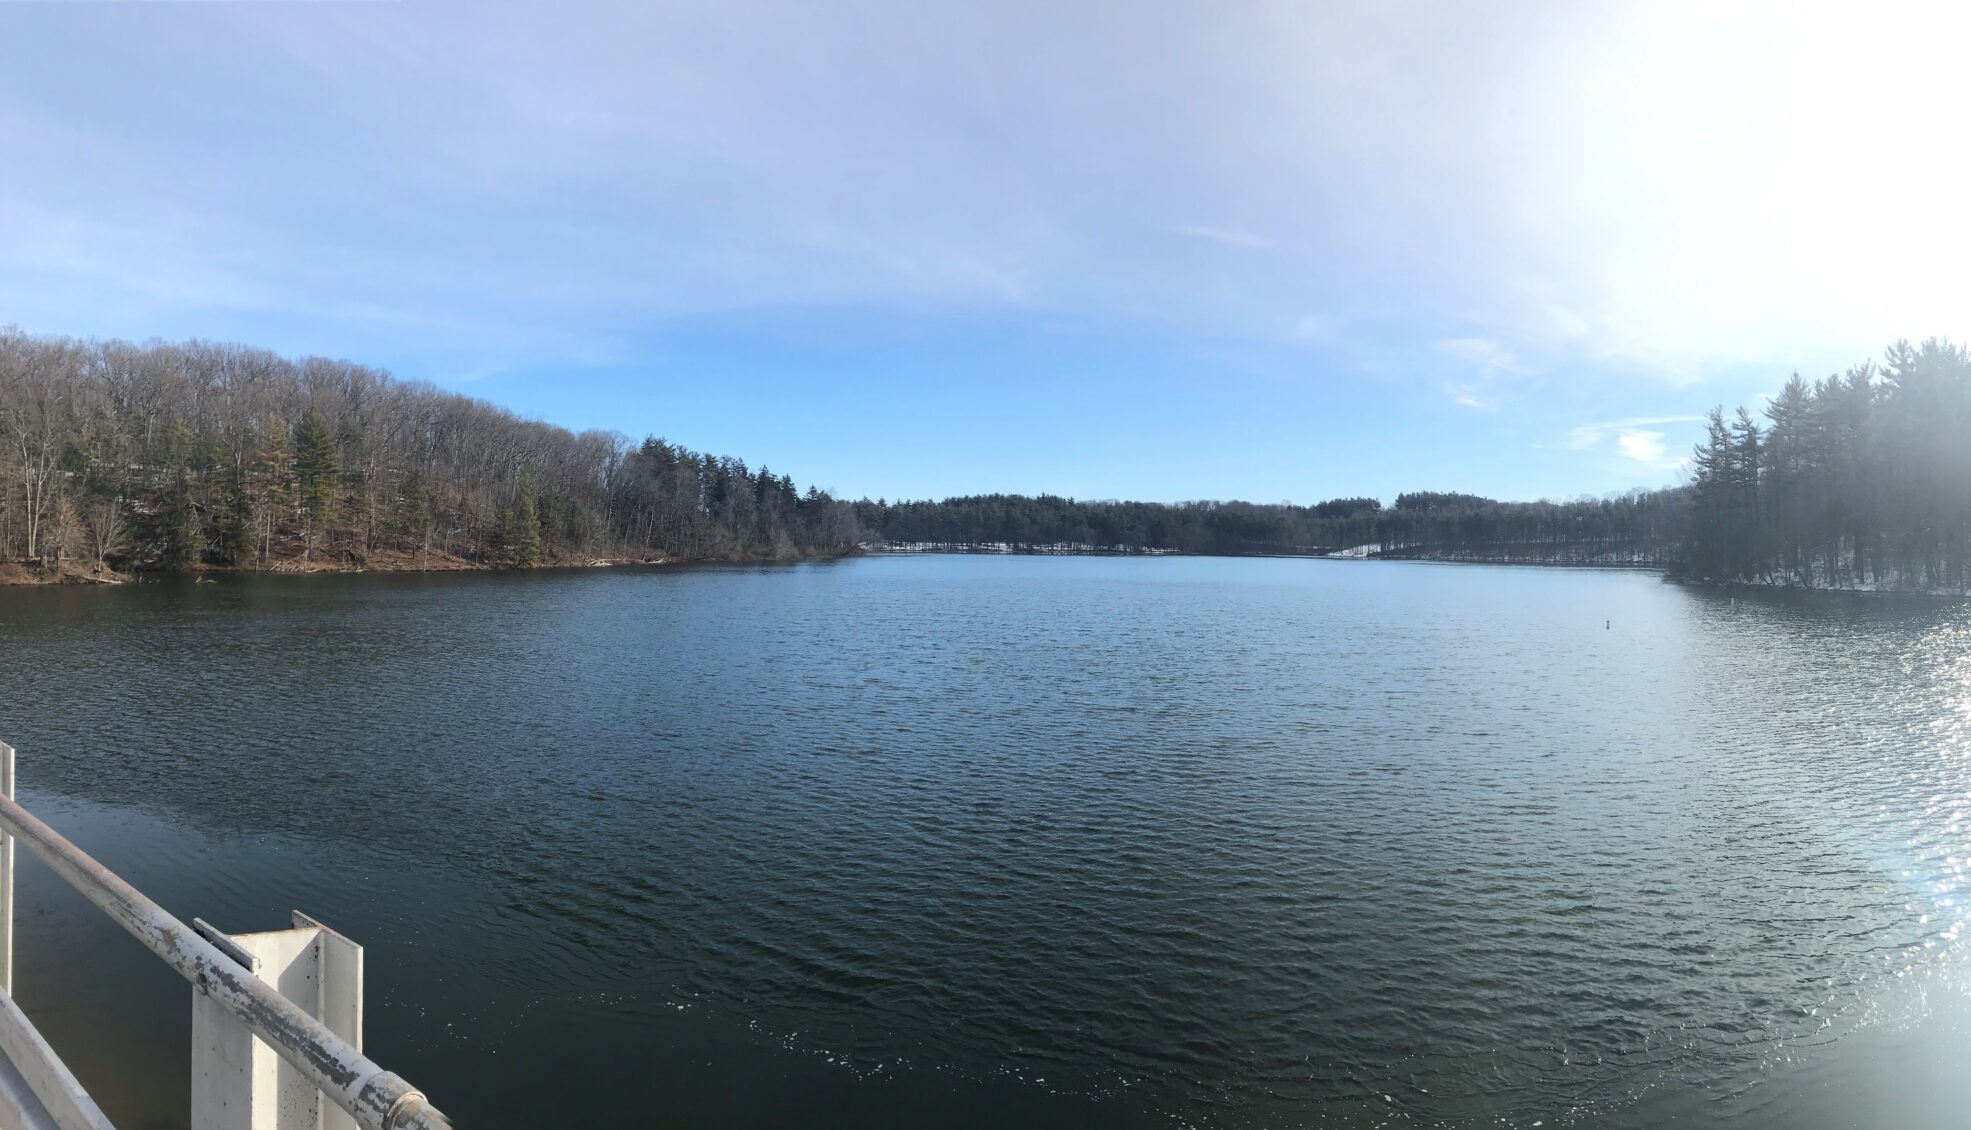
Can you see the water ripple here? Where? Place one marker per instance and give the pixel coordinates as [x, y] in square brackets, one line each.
[1224, 843]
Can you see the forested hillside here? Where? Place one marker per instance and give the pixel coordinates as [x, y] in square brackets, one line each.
[176, 456]
[1857, 480]
[1641, 527]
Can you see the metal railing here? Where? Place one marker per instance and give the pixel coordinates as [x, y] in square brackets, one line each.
[375, 1098]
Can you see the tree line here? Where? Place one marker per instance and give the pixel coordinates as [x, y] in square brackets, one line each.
[172, 456]
[1861, 478]
[1639, 527]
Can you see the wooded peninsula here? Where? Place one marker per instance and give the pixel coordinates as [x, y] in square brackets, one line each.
[126, 458]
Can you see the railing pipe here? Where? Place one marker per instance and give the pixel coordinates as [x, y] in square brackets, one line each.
[377, 1099]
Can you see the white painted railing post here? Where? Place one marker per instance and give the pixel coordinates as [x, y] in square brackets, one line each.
[6, 878]
[238, 1082]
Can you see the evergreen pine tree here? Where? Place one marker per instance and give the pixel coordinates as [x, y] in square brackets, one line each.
[237, 534]
[418, 515]
[184, 533]
[317, 467]
[274, 473]
[527, 517]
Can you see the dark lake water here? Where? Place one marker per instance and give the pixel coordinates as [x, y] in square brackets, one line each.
[965, 841]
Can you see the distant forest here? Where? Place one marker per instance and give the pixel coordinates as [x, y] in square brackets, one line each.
[1640, 527]
[162, 456]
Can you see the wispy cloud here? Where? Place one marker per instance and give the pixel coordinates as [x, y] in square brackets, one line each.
[1491, 362]
[1228, 237]
[1473, 395]
[1590, 435]
[1313, 328]
[1487, 356]
[1641, 446]
[1637, 438]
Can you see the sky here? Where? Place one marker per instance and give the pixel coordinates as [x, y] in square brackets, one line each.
[1272, 251]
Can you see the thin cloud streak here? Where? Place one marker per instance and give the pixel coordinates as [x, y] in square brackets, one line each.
[1585, 436]
[1492, 361]
[1474, 396]
[1487, 356]
[1228, 237]
[1646, 447]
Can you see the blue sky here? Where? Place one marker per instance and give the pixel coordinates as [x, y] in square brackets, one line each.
[1164, 251]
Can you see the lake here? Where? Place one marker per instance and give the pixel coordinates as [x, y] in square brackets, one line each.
[982, 841]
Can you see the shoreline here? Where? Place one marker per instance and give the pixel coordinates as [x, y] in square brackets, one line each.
[954, 550]
[1733, 587]
[1817, 592]
[19, 574]
[15, 574]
